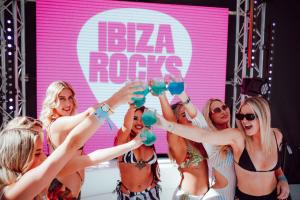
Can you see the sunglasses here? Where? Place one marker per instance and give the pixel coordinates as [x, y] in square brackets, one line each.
[219, 109]
[36, 122]
[248, 116]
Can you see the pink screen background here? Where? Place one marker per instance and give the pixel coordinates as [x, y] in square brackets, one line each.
[58, 27]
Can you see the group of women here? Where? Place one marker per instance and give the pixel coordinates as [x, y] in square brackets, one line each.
[215, 161]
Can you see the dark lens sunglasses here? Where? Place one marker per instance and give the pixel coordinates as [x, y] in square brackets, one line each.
[219, 109]
[248, 116]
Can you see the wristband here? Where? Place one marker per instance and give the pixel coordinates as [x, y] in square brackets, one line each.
[187, 101]
[282, 178]
[102, 115]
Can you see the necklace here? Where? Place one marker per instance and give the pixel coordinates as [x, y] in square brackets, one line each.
[140, 164]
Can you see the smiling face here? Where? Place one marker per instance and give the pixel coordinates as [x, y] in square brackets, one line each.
[65, 103]
[181, 115]
[137, 124]
[250, 125]
[219, 113]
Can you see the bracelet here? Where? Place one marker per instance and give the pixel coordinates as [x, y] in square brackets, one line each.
[282, 178]
[171, 127]
[187, 101]
[102, 115]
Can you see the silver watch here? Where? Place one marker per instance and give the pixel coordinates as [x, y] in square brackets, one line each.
[105, 107]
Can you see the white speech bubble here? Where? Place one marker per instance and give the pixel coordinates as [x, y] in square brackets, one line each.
[87, 42]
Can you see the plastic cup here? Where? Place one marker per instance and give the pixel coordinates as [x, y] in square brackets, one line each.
[139, 102]
[149, 136]
[176, 85]
[149, 117]
[158, 86]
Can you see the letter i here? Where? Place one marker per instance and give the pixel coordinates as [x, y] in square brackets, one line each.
[102, 36]
[131, 37]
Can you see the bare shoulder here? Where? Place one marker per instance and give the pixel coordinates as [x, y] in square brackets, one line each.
[238, 138]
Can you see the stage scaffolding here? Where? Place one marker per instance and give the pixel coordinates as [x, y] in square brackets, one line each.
[250, 18]
[249, 51]
[12, 35]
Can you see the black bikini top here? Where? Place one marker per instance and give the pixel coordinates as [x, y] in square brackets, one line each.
[246, 163]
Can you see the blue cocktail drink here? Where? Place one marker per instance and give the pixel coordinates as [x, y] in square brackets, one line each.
[149, 136]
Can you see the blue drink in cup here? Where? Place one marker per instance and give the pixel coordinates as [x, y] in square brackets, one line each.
[158, 86]
[149, 136]
[149, 118]
[176, 88]
[176, 84]
[139, 102]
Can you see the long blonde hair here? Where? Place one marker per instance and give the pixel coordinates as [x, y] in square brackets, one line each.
[49, 103]
[206, 113]
[16, 154]
[262, 110]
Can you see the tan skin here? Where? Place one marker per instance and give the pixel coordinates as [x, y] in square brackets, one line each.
[220, 121]
[27, 187]
[64, 122]
[58, 132]
[134, 178]
[195, 181]
[262, 183]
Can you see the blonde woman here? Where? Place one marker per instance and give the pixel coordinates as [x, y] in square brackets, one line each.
[217, 115]
[254, 144]
[25, 171]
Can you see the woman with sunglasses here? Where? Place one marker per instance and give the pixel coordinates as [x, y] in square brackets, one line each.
[59, 118]
[255, 147]
[25, 171]
[139, 168]
[217, 115]
[220, 162]
[190, 156]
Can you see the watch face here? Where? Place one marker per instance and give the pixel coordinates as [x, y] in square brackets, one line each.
[105, 107]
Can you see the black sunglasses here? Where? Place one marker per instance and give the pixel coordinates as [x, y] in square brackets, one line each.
[36, 122]
[219, 109]
[248, 116]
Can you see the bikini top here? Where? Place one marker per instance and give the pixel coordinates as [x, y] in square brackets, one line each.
[246, 163]
[58, 191]
[129, 157]
[49, 140]
[193, 157]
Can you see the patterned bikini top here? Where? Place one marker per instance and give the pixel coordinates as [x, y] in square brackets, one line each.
[193, 157]
[58, 191]
[130, 158]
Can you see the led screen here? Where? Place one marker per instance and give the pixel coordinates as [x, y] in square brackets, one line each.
[97, 46]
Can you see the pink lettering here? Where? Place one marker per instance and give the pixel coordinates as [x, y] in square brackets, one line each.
[146, 32]
[102, 36]
[116, 36]
[118, 68]
[154, 66]
[164, 39]
[172, 65]
[131, 37]
[98, 63]
[137, 62]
